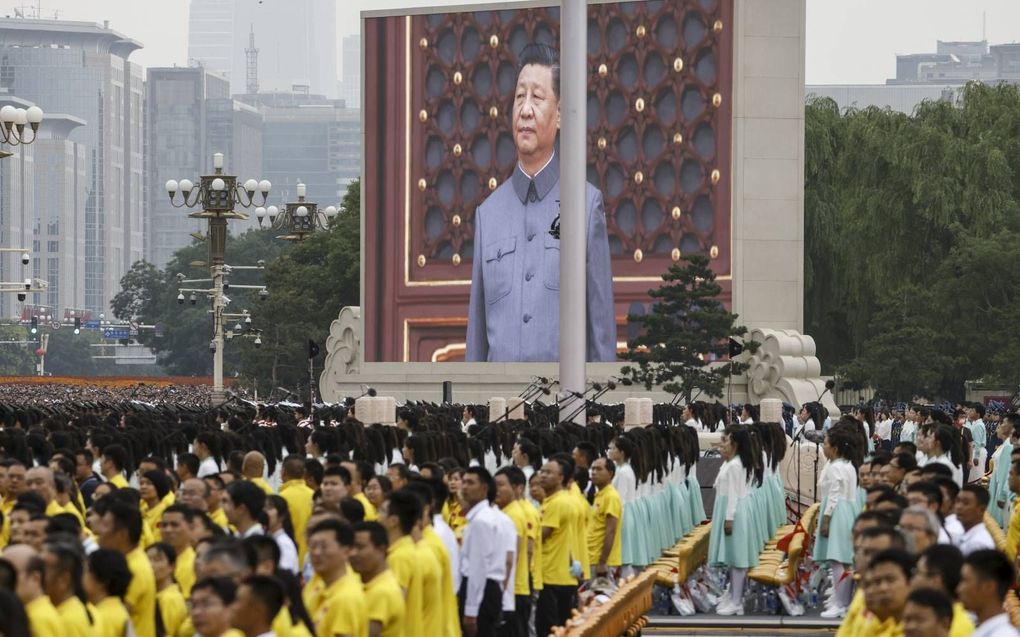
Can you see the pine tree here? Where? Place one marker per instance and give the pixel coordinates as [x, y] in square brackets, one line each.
[684, 342]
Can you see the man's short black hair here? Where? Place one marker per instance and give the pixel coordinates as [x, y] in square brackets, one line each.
[937, 469]
[118, 455]
[947, 561]
[979, 492]
[936, 600]
[341, 472]
[931, 492]
[376, 533]
[907, 447]
[906, 461]
[248, 495]
[264, 547]
[588, 451]
[124, 516]
[406, 506]
[949, 485]
[314, 470]
[268, 591]
[222, 587]
[989, 564]
[110, 568]
[352, 510]
[514, 475]
[901, 558]
[190, 461]
[186, 511]
[341, 530]
[402, 471]
[896, 539]
[541, 55]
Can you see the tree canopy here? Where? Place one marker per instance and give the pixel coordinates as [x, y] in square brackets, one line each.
[912, 230]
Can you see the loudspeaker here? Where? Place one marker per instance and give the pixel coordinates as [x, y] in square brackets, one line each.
[447, 392]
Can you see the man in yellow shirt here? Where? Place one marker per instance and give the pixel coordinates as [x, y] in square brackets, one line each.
[342, 611]
[510, 482]
[175, 528]
[558, 577]
[211, 598]
[399, 514]
[927, 613]
[440, 600]
[42, 616]
[939, 567]
[112, 466]
[886, 585]
[64, 568]
[361, 473]
[336, 484]
[299, 499]
[120, 528]
[605, 523]
[383, 596]
[258, 601]
[253, 467]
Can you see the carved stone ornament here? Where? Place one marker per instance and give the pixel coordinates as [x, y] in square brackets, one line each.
[786, 367]
[343, 347]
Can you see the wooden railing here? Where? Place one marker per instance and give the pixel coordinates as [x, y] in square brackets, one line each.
[622, 615]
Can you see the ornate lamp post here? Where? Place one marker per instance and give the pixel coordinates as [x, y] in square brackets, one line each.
[299, 218]
[12, 126]
[217, 195]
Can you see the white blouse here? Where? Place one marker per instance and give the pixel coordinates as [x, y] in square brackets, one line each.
[625, 482]
[732, 482]
[957, 471]
[839, 482]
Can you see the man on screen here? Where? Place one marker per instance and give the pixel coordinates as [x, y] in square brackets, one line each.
[514, 313]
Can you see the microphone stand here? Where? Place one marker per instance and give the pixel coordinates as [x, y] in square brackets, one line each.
[599, 392]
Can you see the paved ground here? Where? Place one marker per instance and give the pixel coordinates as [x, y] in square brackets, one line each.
[746, 626]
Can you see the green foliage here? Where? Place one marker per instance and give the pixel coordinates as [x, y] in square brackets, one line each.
[16, 359]
[687, 329]
[912, 233]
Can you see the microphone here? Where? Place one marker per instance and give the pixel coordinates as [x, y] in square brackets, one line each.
[829, 386]
[610, 384]
[370, 391]
[596, 386]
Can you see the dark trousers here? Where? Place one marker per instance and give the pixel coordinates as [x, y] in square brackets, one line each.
[522, 613]
[490, 611]
[554, 606]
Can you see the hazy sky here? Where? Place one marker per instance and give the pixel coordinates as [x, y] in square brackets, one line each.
[848, 41]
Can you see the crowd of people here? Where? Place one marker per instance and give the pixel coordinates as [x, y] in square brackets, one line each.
[149, 519]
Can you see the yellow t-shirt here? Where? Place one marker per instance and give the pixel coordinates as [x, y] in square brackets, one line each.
[343, 610]
[74, 618]
[607, 503]
[172, 608]
[262, 484]
[962, 625]
[141, 594]
[119, 481]
[433, 601]
[558, 514]
[854, 616]
[871, 626]
[299, 502]
[448, 596]
[219, 518]
[284, 625]
[579, 547]
[1013, 534]
[43, 617]
[110, 618]
[535, 533]
[385, 602]
[184, 571]
[402, 558]
[371, 514]
[515, 511]
[150, 517]
[311, 594]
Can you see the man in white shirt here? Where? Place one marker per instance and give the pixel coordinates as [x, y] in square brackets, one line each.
[971, 504]
[203, 448]
[508, 539]
[482, 561]
[986, 577]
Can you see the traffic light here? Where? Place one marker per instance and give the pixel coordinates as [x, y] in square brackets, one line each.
[35, 325]
[77, 325]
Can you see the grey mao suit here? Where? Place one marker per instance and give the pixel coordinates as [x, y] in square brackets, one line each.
[514, 313]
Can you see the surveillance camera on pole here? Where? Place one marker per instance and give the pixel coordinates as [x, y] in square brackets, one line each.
[180, 298]
[25, 259]
[193, 299]
[28, 284]
[258, 342]
[21, 296]
[263, 294]
[212, 346]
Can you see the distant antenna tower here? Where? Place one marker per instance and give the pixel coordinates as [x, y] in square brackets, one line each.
[252, 55]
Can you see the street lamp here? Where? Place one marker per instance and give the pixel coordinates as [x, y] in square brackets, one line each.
[216, 196]
[298, 218]
[12, 126]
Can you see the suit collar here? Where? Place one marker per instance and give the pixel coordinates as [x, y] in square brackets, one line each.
[542, 183]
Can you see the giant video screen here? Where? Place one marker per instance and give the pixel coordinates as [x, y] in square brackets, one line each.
[461, 173]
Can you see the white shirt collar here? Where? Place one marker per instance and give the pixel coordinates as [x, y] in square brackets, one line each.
[544, 166]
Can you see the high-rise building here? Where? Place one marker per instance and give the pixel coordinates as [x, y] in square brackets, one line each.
[83, 70]
[308, 139]
[296, 42]
[176, 149]
[235, 129]
[211, 35]
[350, 86]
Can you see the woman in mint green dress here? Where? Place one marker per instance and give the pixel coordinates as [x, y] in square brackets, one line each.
[843, 447]
[730, 542]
